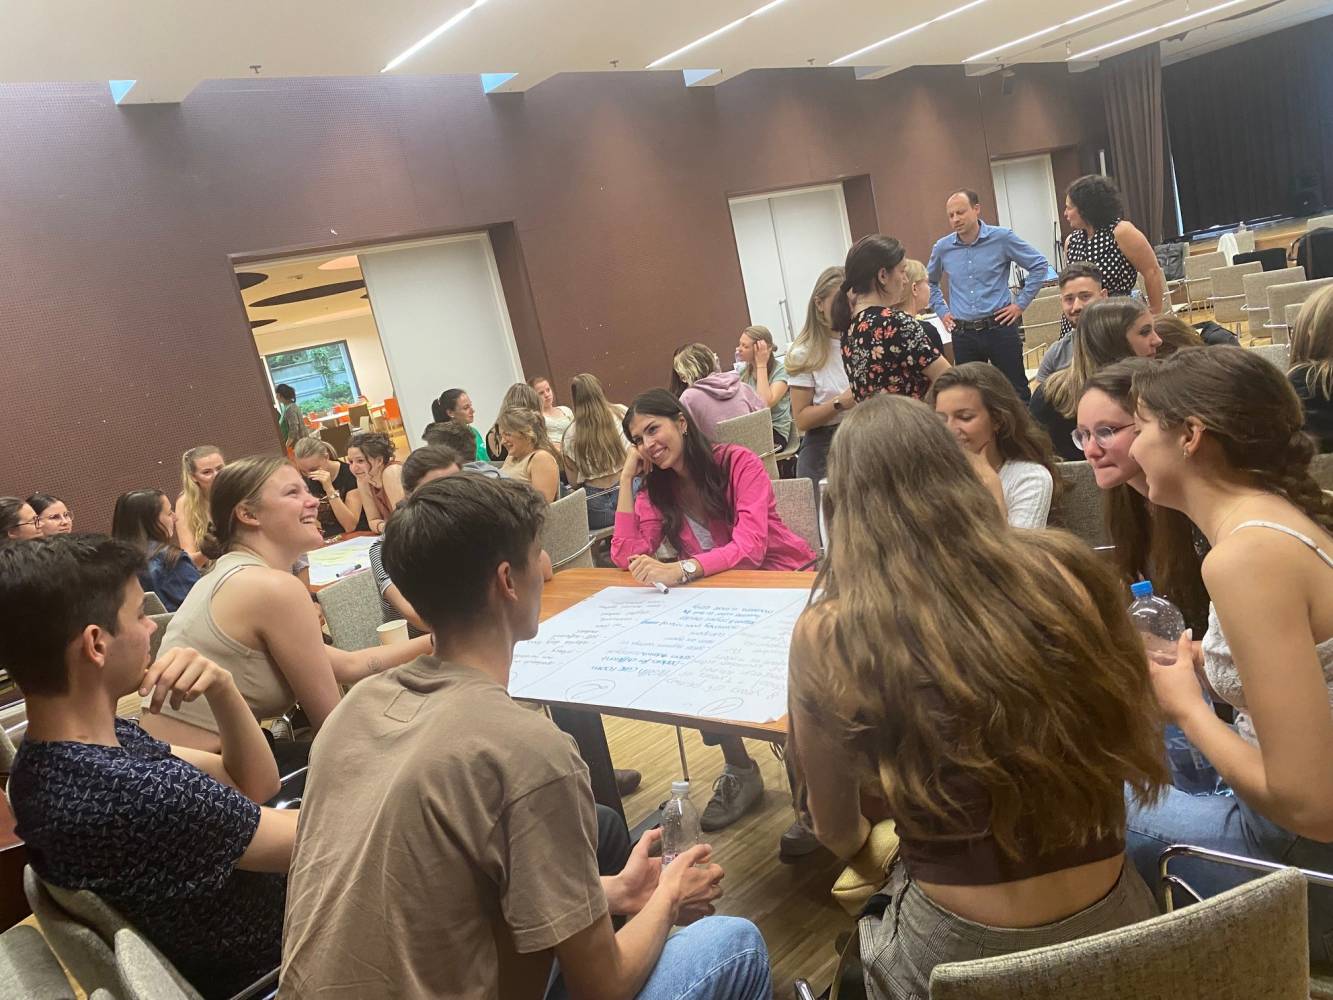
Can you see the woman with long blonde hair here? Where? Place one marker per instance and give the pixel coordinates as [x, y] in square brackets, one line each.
[532, 458]
[594, 449]
[820, 391]
[1311, 371]
[1109, 330]
[199, 467]
[1002, 750]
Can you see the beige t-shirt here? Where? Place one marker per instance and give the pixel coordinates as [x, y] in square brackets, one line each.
[447, 841]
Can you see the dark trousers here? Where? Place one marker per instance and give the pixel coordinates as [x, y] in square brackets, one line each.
[613, 844]
[1001, 346]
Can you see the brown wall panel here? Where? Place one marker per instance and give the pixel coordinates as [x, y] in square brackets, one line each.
[124, 339]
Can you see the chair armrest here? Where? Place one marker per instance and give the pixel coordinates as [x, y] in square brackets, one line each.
[261, 989]
[1166, 879]
[573, 555]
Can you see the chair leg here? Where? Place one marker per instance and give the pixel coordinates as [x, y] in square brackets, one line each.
[684, 763]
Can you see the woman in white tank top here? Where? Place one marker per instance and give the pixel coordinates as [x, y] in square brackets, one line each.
[253, 617]
[1220, 439]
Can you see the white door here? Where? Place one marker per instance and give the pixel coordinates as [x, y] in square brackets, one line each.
[443, 322]
[1025, 201]
[784, 241]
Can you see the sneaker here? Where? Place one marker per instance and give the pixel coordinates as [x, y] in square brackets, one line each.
[735, 792]
[797, 842]
[627, 781]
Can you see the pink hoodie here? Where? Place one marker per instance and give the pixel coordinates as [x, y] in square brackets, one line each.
[718, 397]
[757, 540]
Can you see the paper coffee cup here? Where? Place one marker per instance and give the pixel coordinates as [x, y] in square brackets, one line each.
[391, 632]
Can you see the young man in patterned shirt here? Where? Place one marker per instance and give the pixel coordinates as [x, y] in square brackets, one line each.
[173, 838]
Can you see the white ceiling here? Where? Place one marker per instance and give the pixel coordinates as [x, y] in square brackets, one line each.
[303, 275]
[169, 46]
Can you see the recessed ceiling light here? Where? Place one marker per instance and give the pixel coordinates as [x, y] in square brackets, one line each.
[1152, 31]
[908, 31]
[341, 263]
[1046, 31]
[412, 50]
[713, 34]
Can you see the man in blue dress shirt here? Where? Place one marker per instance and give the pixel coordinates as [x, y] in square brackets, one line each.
[986, 322]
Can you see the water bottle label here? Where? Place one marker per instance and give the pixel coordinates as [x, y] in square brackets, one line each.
[668, 858]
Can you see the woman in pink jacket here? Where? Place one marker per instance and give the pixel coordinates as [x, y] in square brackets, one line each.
[714, 504]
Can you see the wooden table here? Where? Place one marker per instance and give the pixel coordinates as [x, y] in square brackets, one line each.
[584, 721]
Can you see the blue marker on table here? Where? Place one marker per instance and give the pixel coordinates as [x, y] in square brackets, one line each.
[662, 588]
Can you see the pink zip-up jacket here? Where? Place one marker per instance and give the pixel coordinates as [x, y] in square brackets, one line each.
[757, 540]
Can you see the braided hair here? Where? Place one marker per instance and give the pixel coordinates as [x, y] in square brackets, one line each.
[1249, 406]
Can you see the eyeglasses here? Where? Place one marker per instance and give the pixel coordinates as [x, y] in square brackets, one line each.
[28, 524]
[1102, 435]
[57, 518]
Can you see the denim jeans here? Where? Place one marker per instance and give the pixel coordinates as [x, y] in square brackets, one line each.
[812, 459]
[1225, 823]
[602, 506]
[715, 957]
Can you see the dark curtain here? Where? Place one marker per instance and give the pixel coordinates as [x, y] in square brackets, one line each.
[1132, 95]
[1252, 126]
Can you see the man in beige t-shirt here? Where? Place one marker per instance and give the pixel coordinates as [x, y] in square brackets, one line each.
[447, 844]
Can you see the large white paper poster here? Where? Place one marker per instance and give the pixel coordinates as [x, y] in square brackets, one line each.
[339, 560]
[718, 652]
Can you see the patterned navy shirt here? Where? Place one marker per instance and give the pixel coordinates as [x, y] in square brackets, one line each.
[158, 839]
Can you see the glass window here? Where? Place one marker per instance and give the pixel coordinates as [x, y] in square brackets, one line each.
[321, 375]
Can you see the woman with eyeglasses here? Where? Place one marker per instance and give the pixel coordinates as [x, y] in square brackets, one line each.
[1109, 330]
[18, 521]
[1151, 542]
[53, 517]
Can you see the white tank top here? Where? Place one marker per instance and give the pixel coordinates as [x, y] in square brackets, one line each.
[1221, 668]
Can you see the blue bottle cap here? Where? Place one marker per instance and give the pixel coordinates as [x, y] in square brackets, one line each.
[1143, 588]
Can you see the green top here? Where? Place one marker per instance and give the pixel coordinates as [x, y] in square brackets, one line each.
[293, 425]
[782, 411]
[482, 456]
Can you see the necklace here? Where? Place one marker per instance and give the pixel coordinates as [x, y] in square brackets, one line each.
[1231, 510]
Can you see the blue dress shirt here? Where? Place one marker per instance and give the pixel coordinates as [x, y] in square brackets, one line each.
[979, 273]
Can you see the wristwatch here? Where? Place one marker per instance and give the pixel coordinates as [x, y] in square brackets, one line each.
[689, 570]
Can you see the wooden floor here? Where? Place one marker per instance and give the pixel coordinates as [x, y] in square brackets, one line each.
[790, 903]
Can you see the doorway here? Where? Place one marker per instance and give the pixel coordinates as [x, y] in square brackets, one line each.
[785, 239]
[314, 330]
[1026, 202]
[389, 327]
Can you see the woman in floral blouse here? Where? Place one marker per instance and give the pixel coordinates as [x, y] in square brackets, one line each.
[883, 349]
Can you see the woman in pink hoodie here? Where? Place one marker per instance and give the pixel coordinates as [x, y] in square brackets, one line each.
[714, 504]
[709, 396]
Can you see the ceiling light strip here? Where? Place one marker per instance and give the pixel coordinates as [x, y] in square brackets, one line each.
[713, 34]
[1047, 31]
[908, 31]
[408, 53]
[1152, 31]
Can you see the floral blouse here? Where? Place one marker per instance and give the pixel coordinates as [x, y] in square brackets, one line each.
[885, 350]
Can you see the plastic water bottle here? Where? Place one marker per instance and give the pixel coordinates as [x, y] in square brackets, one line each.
[680, 823]
[1161, 624]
